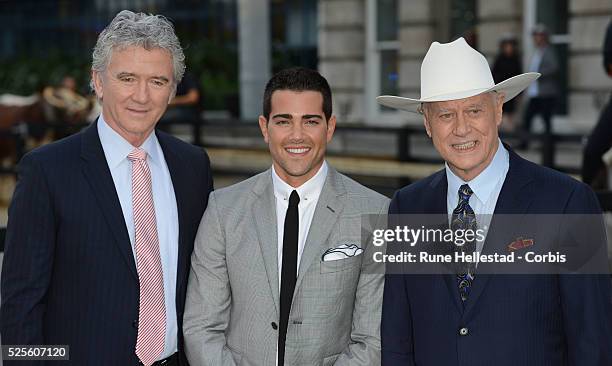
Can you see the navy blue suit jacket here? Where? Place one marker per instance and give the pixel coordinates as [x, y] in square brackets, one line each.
[509, 319]
[69, 275]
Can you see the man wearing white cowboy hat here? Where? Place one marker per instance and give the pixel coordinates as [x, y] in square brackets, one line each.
[467, 318]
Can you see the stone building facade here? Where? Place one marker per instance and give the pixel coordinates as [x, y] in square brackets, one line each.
[360, 64]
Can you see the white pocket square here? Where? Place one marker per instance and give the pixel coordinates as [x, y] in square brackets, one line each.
[341, 252]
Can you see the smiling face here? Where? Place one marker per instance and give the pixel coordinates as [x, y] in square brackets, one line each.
[135, 90]
[297, 134]
[464, 131]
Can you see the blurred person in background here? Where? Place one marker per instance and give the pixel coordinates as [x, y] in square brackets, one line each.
[600, 140]
[186, 104]
[63, 103]
[541, 94]
[506, 65]
[102, 223]
[65, 108]
[471, 37]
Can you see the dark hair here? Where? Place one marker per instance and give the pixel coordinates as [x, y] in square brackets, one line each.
[507, 38]
[298, 79]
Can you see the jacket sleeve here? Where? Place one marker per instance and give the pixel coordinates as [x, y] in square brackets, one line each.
[550, 63]
[28, 257]
[364, 349]
[208, 302]
[586, 299]
[607, 50]
[396, 325]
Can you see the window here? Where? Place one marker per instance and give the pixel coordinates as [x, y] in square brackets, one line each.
[382, 58]
[294, 33]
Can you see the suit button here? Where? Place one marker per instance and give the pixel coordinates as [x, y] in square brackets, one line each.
[463, 331]
[135, 324]
[274, 326]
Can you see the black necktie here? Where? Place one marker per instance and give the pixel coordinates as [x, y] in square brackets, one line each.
[289, 270]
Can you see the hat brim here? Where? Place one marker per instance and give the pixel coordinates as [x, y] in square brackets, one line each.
[510, 87]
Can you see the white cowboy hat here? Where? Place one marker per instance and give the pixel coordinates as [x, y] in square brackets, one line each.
[454, 70]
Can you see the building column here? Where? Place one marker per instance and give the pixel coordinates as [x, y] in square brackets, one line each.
[589, 86]
[341, 25]
[497, 18]
[254, 55]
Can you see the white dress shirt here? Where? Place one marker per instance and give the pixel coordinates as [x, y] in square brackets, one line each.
[116, 150]
[309, 193]
[534, 66]
[486, 187]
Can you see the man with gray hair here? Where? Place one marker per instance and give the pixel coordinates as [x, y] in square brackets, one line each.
[102, 223]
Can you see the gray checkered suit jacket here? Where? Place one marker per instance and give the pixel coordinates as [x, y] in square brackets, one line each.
[232, 306]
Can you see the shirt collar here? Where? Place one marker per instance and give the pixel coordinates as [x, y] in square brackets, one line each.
[116, 148]
[484, 183]
[310, 190]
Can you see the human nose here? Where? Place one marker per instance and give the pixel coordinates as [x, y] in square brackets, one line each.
[141, 93]
[462, 125]
[296, 133]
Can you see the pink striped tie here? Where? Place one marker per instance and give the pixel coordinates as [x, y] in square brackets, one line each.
[152, 310]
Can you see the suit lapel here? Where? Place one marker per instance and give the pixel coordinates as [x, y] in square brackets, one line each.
[177, 168]
[517, 192]
[264, 214]
[97, 173]
[515, 197]
[329, 207]
[437, 194]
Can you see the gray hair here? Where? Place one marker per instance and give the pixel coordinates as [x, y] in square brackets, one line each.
[138, 29]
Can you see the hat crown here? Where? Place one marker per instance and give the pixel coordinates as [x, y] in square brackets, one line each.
[453, 67]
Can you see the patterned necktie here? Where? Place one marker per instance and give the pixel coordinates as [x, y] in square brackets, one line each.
[288, 270]
[463, 219]
[152, 309]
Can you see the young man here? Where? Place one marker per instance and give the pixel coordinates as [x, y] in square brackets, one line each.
[279, 268]
[102, 223]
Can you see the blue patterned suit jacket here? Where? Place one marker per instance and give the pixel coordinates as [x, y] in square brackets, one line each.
[508, 319]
